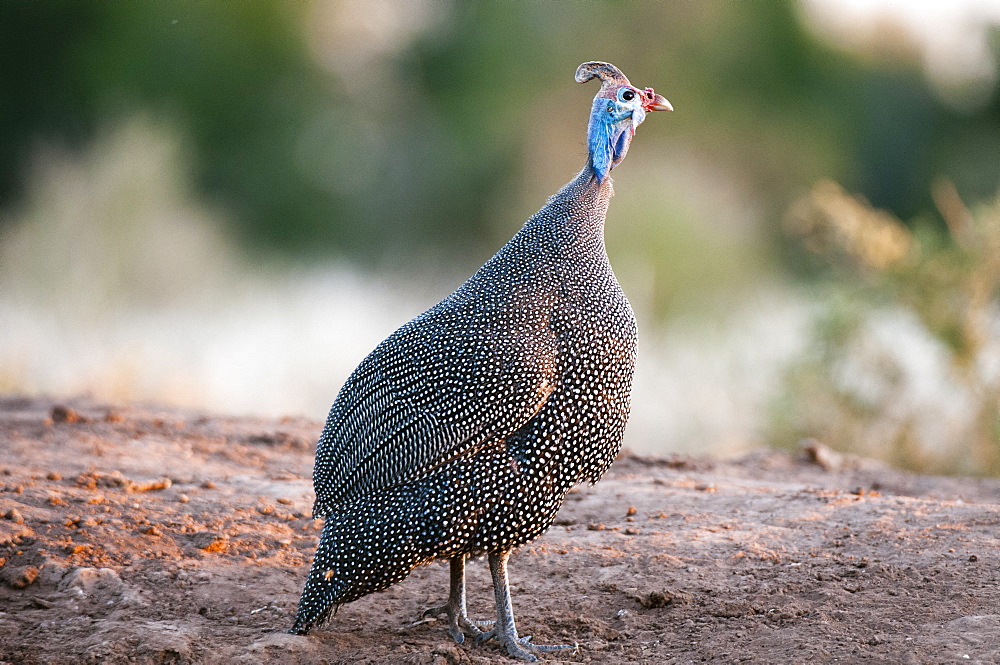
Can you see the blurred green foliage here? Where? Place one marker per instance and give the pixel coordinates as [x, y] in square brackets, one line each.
[427, 144]
[236, 76]
[905, 363]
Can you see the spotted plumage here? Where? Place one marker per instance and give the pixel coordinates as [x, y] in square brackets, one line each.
[462, 432]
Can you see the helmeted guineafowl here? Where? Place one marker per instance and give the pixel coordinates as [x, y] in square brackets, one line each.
[462, 433]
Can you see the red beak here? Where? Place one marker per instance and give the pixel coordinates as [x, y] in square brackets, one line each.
[654, 102]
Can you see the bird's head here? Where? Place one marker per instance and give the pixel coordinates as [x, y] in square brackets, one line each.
[618, 109]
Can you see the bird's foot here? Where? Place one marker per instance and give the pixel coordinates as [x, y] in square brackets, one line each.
[520, 647]
[459, 625]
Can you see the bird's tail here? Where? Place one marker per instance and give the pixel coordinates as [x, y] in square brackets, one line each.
[369, 545]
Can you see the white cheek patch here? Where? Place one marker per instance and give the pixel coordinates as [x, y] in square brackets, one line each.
[637, 117]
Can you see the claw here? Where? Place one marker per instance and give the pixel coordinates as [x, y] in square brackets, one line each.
[522, 647]
[459, 625]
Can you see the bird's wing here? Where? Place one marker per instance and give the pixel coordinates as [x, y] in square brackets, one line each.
[447, 382]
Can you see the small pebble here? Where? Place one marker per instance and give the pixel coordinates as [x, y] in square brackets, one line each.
[64, 414]
[212, 543]
[14, 515]
[153, 485]
[19, 577]
[183, 498]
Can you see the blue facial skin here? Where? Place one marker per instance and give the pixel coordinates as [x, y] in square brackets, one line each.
[612, 123]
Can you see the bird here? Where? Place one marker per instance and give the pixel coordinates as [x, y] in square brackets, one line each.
[461, 433]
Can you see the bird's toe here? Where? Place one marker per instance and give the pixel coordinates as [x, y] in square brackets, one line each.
[544, 648]
[432, 612]
[521, 647]
[459, 625]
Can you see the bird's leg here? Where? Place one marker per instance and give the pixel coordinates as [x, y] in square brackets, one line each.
[504, 630]
[459, 625]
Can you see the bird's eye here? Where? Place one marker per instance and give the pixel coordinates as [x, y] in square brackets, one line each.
[628, 95]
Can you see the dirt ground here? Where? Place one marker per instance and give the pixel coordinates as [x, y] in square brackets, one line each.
[146, 535]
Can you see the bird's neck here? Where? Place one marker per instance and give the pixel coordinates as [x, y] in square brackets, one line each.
[576, 212]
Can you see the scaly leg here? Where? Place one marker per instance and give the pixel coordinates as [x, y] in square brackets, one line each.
[459, 625]
[504, 630]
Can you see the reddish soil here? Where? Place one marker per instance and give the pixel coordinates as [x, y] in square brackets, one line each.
[144, 535]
